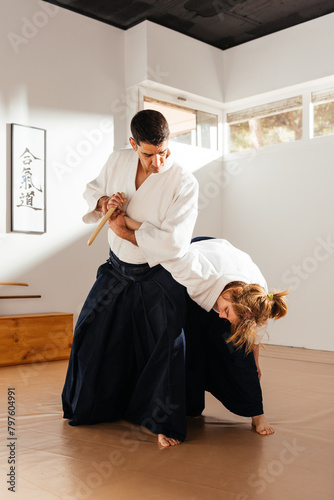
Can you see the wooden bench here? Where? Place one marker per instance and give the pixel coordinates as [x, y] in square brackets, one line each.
[35, 338]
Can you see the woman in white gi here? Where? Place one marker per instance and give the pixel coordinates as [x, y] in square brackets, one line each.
[127, 357]
[222, 279]
[223, 349]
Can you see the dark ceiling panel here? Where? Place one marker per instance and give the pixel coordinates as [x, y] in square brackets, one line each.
[221, 23]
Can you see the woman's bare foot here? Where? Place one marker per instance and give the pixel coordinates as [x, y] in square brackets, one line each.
[262, 426]
[166, 441]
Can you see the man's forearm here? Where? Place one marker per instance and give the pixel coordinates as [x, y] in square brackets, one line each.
[131, 223]
[129, 235]
[118, 226]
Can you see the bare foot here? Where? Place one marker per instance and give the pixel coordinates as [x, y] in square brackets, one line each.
[262, 426]
[166, 441]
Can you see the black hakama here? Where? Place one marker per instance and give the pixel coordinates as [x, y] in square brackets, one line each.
[128, 354]
[214, 365]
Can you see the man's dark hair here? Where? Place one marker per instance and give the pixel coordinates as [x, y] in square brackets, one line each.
[149, 126]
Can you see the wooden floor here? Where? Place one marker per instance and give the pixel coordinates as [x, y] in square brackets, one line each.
[222, 458]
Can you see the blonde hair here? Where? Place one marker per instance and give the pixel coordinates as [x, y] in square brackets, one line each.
[253, 307]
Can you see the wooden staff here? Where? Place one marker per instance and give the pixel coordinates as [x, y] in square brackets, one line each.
[102, 223]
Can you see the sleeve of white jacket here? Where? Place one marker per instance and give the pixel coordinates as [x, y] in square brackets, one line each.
[93, 192]
[173, 238]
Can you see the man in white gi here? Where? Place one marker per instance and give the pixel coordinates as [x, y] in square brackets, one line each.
[127, 359]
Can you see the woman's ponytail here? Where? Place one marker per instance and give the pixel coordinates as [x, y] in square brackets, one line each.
[279, 307]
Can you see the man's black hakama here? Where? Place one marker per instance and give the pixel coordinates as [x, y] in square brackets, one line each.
[127, 357]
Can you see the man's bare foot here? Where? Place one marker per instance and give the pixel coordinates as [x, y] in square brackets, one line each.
[166, 441]
[262, 426]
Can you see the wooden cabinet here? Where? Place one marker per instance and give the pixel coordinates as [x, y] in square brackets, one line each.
[34, 338]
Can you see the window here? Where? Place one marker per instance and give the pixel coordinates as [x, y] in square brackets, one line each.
[265, 125]
[187, 126]
[323, 112]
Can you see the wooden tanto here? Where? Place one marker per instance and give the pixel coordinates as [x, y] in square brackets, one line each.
[102, 223]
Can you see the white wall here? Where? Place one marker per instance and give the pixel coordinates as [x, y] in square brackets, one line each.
[65, 76]
[279, 209]
[286, 58]
[173, 60]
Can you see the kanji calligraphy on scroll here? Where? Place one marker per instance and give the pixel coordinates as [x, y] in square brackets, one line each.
[28, 179]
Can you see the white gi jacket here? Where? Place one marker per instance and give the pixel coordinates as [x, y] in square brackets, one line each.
[208, 266]
[166, 204]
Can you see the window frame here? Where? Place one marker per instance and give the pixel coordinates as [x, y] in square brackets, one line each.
[305, 90]
[187, 100]
[262, 110]
[329, 89]
[183, 99]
